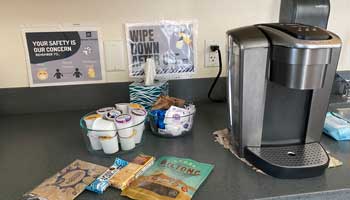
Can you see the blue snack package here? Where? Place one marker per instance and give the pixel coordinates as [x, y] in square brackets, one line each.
[336, 127]
[159, 116]
[102, 182]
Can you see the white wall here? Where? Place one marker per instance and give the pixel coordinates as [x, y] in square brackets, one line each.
[214, 17]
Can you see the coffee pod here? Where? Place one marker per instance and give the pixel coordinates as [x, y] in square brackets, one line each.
[128, 143]
[89, 120]
[132, 106]
[111, 115]
[124, 125]
[123, 107]
[125, 132]
[138, 117]
[103, 111]
[94, 141]
[103, 127]
[109, 144]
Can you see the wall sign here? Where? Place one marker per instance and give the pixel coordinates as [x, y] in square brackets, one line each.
[63, 57]
[172, 44]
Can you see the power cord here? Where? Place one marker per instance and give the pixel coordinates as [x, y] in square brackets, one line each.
[216, 48]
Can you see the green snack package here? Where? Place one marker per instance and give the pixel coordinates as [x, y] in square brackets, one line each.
[170, 178]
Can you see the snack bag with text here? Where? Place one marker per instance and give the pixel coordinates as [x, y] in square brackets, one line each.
[170, 178]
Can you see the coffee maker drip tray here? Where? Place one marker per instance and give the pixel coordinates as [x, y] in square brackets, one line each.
[290, 162]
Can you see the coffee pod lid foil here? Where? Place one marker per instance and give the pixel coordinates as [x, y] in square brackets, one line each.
[135, 105]
[111, 115]
[92, 117]
[138, 112]
[104, 110]
[123, 118]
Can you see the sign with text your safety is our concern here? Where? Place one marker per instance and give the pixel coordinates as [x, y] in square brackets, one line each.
[172, 45]
[64, 57]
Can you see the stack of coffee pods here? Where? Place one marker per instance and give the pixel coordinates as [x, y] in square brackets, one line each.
[110, 126]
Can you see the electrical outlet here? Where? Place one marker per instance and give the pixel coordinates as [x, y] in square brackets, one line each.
[211, 57]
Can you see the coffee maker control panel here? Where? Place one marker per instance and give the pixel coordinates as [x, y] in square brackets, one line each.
[301, 31]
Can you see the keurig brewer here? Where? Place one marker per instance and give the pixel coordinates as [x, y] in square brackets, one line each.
[279, 82]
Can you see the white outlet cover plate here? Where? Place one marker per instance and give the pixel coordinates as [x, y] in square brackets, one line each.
[114, 55]
[211, 58]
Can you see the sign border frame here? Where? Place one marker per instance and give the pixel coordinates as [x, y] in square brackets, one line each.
[62, 29]
[174, 76]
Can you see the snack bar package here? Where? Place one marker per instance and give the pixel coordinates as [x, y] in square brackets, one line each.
[133, 170]
[68, 183]
[169, 178]
[102, 182]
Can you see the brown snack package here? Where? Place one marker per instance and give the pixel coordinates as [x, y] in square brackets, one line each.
[68, 183]
[132, 171]
[164, 102]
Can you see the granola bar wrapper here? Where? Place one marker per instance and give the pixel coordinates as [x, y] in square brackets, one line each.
[170, 178]
[103, 181]
[132, 171]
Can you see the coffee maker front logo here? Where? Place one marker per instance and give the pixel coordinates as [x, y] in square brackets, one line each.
[63, 57]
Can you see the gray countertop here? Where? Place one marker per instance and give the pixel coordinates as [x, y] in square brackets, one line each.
[34, 147]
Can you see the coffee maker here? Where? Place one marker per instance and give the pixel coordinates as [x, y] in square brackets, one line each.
[279, 83]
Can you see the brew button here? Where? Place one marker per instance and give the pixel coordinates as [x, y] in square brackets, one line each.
[314, 29]
[307, 29]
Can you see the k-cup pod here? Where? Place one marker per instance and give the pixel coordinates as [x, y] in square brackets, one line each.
[124, 125]
[94, 141]
[139, 132]
[127, 143]
[103, 111]
[111, 115]
[89, 120]
[103, 127]
[110, 145]
[138, 117]
[132, 106]
[123, 107]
